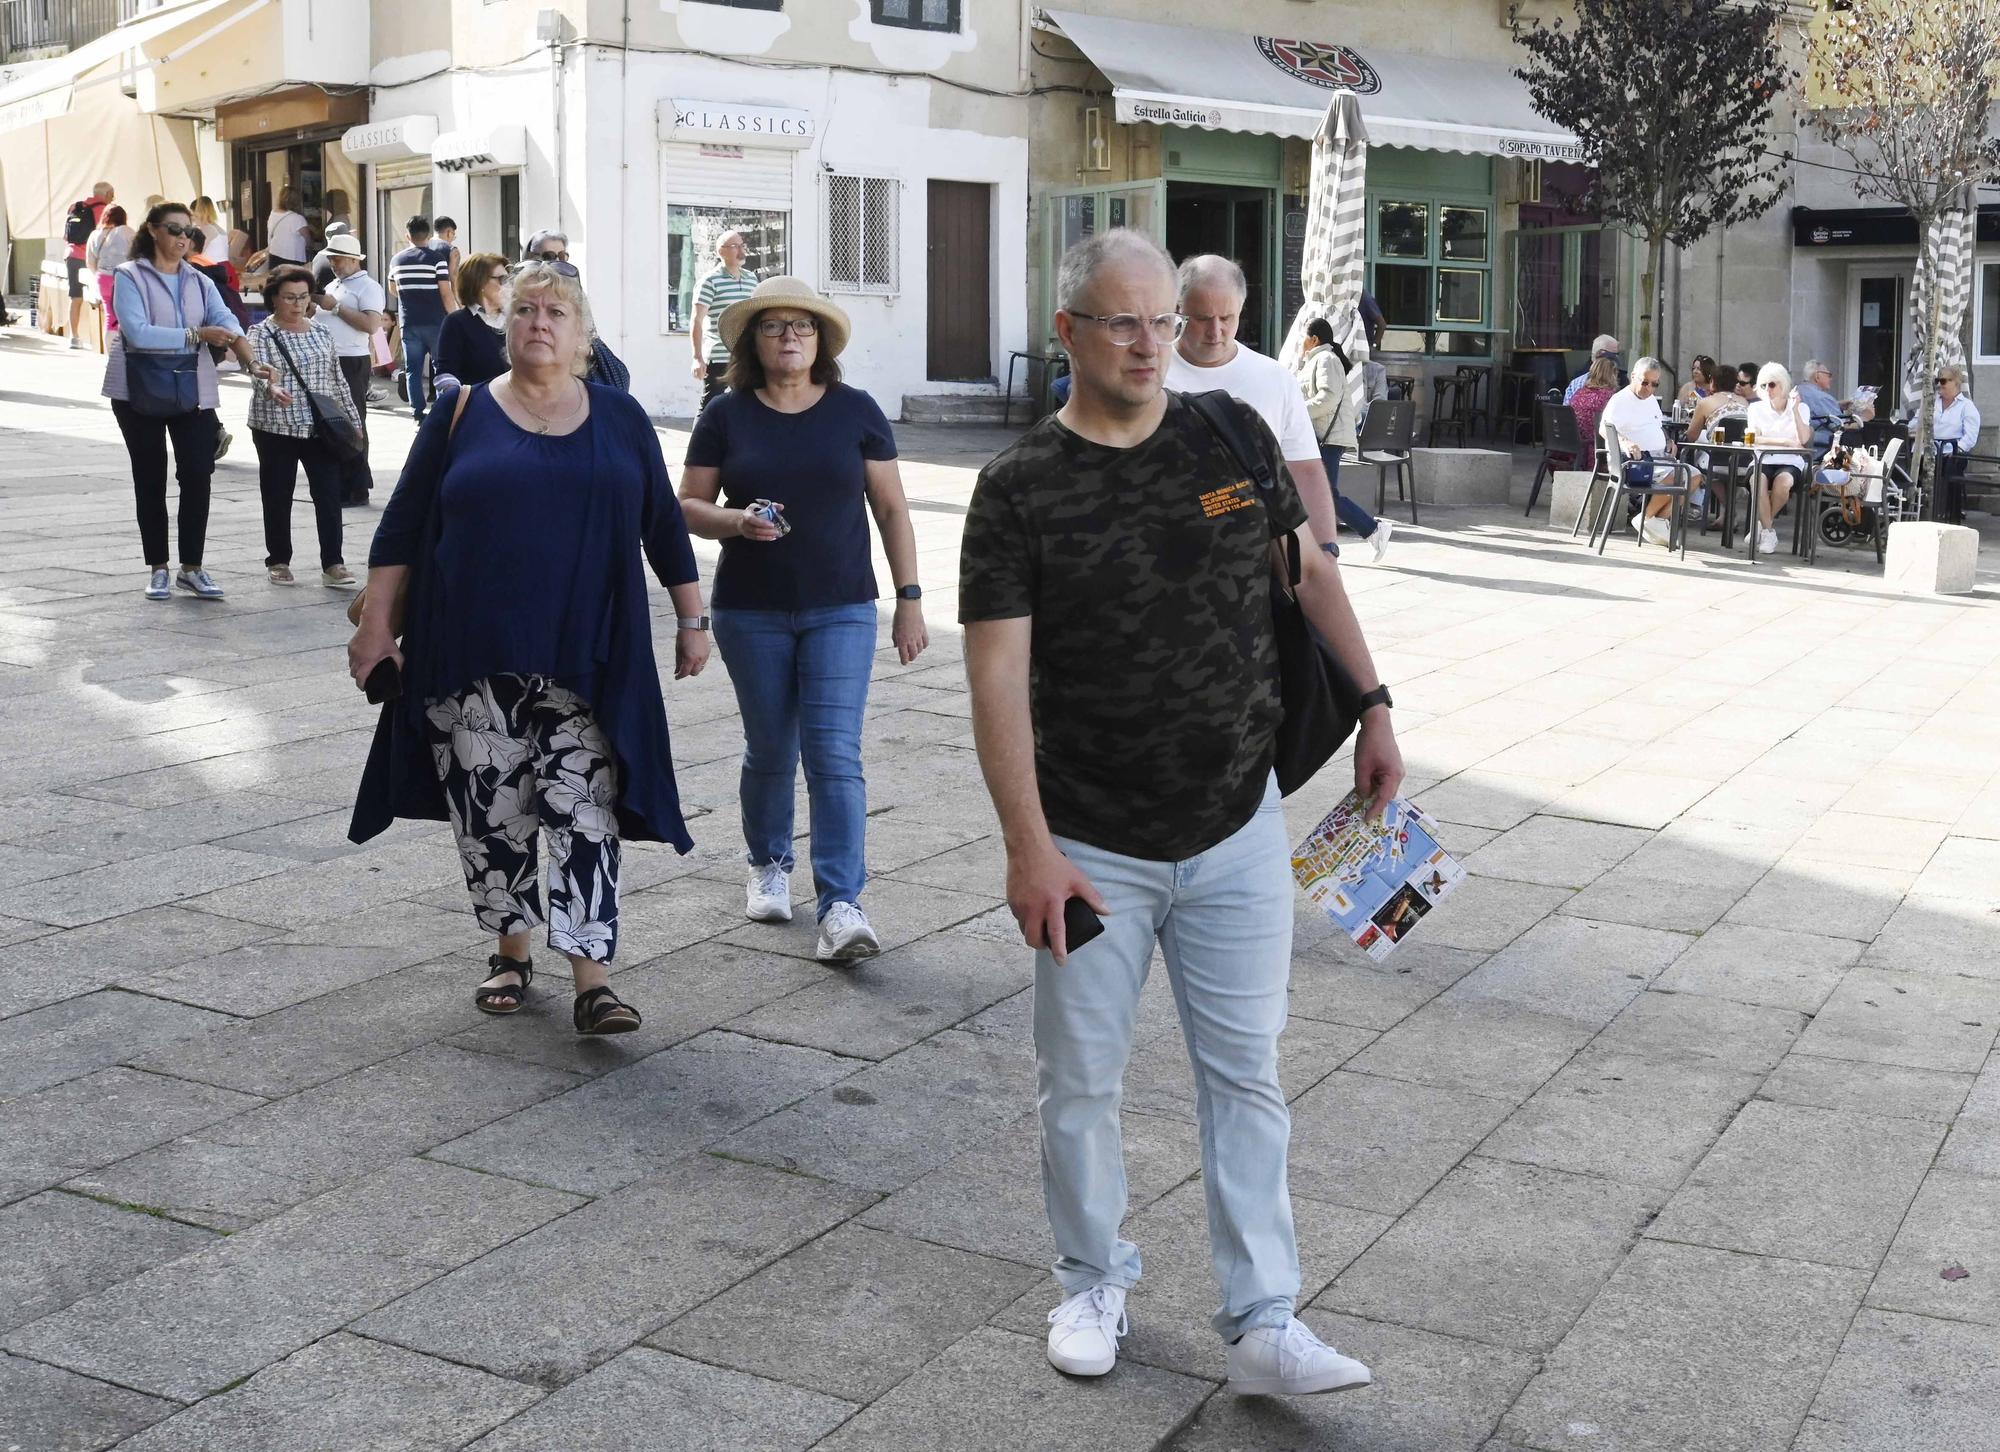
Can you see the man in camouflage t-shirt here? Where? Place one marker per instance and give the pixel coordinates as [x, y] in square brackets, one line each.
[1115, 583]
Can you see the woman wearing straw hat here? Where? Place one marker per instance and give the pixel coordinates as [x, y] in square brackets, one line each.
[784, 469]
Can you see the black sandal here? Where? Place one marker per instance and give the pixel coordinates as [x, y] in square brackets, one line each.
[504, 998]
[600, 1011]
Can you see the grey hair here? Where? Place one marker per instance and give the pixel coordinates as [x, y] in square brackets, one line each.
[1814, 365]
[1774, 372]
[1081, 264]
[1647, 365]
[532, 277]
[1211, 267]
[1603, 343]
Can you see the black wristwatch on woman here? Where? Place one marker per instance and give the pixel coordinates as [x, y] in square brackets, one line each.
[909, 592]
[1377, 697]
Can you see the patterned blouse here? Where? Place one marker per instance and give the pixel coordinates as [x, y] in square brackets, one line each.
[313, 353]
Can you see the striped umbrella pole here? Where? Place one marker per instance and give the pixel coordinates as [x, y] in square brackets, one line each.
[1336, 237]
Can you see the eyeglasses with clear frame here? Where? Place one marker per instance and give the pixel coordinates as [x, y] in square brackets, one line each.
[1122, 330]
[777, 327]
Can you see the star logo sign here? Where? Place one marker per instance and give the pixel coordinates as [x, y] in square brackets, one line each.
[1328, 66]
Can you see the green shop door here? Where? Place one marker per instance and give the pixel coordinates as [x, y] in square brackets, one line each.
[1236, 222]
[1070, 216]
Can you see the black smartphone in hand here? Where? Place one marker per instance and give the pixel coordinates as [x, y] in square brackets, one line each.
[385, 682]
[1080, 924]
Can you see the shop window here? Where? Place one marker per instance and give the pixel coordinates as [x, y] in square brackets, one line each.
[1988, 334]
[861, 230]
[1431, 270]
[916, 14]
[692, 232]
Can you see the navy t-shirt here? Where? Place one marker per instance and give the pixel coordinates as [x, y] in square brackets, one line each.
[418, 273]
[813, 463]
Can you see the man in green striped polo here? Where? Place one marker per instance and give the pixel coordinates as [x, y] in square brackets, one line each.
[727, 284]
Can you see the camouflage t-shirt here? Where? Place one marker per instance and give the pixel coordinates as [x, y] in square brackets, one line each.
[1147, 572]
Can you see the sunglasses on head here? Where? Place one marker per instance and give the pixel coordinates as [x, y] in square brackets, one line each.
[556, 265]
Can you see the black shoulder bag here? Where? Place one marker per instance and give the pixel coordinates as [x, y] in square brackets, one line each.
[330, 421]
[1322, 705]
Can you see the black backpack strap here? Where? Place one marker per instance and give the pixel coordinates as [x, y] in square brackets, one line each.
[1224, 417]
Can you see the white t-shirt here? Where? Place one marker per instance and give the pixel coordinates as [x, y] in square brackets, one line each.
[1777, 426]
[1263, 383]
[1638, 421]
[359, 291]
[288, 236]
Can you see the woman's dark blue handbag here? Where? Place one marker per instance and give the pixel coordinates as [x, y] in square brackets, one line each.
[161, 385]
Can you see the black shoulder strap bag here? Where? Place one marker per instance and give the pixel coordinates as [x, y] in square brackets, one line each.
[336, 430]
[1322, 705]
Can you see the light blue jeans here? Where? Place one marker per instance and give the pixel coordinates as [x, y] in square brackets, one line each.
[801, 679]
[1223, 921]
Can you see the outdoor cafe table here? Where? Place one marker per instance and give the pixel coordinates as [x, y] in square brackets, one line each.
[1758, 485]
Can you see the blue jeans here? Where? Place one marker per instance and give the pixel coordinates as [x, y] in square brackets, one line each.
[420, 344]
[801, 679]
[1351, 514]
[1223, 921]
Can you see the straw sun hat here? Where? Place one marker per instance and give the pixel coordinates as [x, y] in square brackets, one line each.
[787, 292]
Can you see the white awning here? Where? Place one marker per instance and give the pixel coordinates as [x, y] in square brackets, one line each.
[1226, 80]
[397, 138]
[496, 149]
[47, 89]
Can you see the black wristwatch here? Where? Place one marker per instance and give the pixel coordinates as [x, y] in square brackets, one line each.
[909, 592]
[1377, 697]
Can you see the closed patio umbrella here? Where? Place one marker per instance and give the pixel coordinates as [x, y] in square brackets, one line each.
[1949, 242]
[1336, 237]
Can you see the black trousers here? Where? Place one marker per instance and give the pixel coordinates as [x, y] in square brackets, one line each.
[278, 459]
[356, 480]
[194, 437]
[713, 387]
[1950, 505]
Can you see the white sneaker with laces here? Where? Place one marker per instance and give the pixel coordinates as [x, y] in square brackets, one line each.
[768, 899]
[844, 935]
[198, 583]
[1658, 530]
[158, 584]
[1289, 1361]
[1767, 541]
[1084, 1331]
[1379, 541]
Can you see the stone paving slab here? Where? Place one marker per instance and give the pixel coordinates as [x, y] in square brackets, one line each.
[850, 1314]
[644, 1400]
[93, 1031]
[196, 1326]
[1501, 1253]
[52, 1410]
[79, 1126]
[1907, 1384]
[575, 1293]
[64, 1247]
[349, 1393]
[1690, 1348]
[1954, 1222]
[1915, 1020]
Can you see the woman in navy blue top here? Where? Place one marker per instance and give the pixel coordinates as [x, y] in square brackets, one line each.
[530, 703]
[784, 469]
[472, 343]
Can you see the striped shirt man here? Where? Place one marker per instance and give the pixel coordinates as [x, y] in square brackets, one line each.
[716, 292]
[420, 273]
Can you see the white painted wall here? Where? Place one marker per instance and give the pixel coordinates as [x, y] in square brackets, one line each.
[878, 125]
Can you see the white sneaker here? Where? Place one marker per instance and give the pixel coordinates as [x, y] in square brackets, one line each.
[1379, 541]
[1767, 541]
[769, 897]
[844, 934]
[1289, 1361]
[1658, 530]
[1084, 1331]
[76, 342]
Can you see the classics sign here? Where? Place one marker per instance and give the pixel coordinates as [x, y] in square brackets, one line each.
[730, 124]
[1329, 66]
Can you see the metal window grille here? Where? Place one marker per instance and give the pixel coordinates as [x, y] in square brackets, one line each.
[861, 228]
[917, 14]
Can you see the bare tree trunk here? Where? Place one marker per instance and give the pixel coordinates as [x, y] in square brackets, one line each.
[1649, 288]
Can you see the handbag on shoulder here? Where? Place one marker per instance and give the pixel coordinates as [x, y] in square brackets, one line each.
[341, 435]
[160, 385]
[1322, 704]
[359, 603]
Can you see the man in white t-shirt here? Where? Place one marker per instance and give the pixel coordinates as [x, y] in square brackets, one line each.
[352, 307]
[1208, 357]
[1634, 411]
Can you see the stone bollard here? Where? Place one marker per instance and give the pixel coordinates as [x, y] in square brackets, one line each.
[1931, 559]
[1566, 493]
[1460, 476]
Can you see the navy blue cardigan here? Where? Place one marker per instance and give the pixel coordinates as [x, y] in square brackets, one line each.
[631, 504]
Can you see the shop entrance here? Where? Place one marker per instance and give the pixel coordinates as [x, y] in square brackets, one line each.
[1876, 303]
[1235, 222]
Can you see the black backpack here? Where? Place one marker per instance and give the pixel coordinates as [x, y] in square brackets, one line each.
[79, 224]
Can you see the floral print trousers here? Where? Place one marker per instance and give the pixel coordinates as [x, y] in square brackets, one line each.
[520, 756]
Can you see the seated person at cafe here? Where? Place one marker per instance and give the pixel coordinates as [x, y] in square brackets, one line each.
[1634, 411]
[1777, 416]
[1733, 390]
[1822, 407]
[1601, 346]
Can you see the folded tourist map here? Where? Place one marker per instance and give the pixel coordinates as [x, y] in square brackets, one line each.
[1377, 879]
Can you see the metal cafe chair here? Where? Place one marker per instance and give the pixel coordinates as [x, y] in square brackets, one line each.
[1621, 488]
[1562, 448]
[1387, 436]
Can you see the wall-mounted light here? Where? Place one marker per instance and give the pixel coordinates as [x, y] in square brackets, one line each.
[1096, 150]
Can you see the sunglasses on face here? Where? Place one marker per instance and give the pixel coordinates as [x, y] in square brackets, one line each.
[551, 257]
[777, 327]
[176, 229]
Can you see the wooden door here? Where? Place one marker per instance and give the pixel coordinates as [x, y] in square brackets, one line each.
[959, 270]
